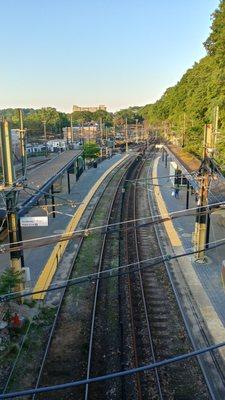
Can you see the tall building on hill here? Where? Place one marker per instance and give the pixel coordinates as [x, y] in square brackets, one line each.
[91, 109]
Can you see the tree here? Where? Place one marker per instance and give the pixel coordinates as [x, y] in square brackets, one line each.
[9, 280]
[200, 89]
[82, 117]
[131, 114]
[91, 150]
[107, 118]
[215, 42]
[33, 119]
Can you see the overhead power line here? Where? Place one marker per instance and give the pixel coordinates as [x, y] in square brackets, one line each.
[72, 203]
[113, 375]
[51, 239]
[151, 178]
[110, 273]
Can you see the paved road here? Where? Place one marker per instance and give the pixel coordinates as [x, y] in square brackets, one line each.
[36, 258]
[208, 273]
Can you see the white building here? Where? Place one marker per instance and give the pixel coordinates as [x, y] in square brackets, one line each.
[34, 148]
[56, 145]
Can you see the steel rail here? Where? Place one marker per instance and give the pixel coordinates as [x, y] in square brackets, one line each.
[159, 389]
[133, 336]
[100, 268]
[137, 376]
[81, 239]
[70, 271]
[177, 297]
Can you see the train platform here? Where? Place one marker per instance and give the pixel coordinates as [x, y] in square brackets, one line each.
[44, 176]
[203, 279]
[36, 258]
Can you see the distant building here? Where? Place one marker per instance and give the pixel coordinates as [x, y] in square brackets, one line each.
[56, 145]
[67, 133]
[34, 148]
[91, 109]
[78, 132]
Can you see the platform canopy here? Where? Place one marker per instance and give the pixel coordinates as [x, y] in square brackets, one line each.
[189, 165]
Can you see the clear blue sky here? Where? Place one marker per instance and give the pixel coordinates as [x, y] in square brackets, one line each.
[87, 52]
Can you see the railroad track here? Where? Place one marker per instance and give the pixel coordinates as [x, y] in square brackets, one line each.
[157, 329]
[210, 363]
[140, 327]
[125, 321]
[106, 352]
[111, 354]
[92, 209]
[33, 165]
[144, 324]
[49, 370]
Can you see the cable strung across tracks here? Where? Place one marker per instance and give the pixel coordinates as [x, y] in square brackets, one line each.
[96, 279]
[88, 220]
[113, 375]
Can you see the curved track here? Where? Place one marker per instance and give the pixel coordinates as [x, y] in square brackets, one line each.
[132, 319]
[47, 372]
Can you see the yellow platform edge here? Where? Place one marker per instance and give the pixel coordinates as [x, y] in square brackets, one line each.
[51, 265]
[209, 315]
[170, 230]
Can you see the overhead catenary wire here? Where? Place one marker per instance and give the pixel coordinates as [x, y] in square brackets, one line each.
[151, 178]
[19, 245]
[41, 191]
[113, 375]
[43, 206]
[110, 272]
[4, 397]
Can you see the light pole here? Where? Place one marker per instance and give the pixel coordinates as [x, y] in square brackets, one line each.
[101, 132]
[11, 197]
[45, 136]
[22, 143]
[136, 129]
[126, 136]
[71, 127]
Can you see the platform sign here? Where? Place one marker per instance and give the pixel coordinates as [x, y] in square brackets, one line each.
[28, 222]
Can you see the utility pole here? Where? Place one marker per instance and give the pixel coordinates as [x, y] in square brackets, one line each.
[11, 195]
[114, 129]
[106, 140]
[126, 136]
[215, 125]
[204, 178]
[22, 143]
[136, 129]
[71, 127]
[184, 130]
[45, 136]
[82, 131]
[165, 130]
[101, 132]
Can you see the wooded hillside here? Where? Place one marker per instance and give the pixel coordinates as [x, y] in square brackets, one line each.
[195, 96]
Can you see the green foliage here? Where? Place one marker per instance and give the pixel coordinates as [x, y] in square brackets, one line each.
[33, 119]
[91, 150]
[84, 117]
[132, 114]
[215, 42]
[200, 89]
[9, 280]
